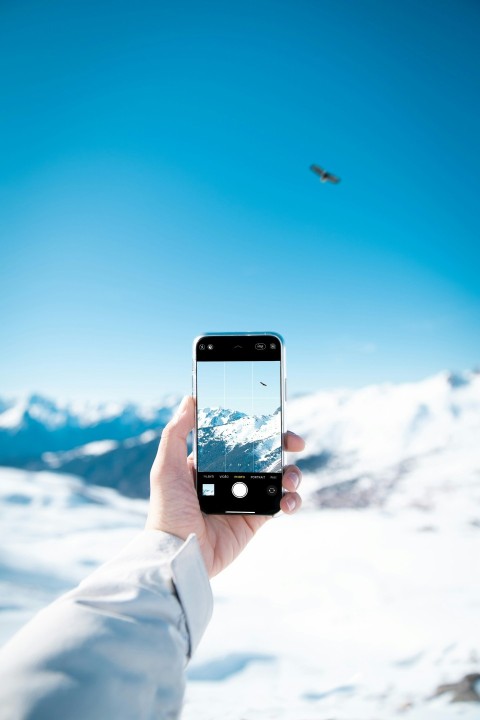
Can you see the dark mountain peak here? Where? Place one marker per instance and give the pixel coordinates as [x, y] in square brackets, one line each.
[41, 400]
[457, 379]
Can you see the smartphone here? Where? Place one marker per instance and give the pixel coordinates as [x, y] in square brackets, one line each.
[239, 385]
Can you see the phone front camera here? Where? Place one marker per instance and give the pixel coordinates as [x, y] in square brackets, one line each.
[210, 347]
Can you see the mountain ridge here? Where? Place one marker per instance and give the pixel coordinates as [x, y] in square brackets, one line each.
[37, 424]
[359, 442]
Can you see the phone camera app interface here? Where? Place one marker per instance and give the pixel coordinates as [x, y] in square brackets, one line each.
[239, 422]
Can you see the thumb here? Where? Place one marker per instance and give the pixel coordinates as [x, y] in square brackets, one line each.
[172, 451]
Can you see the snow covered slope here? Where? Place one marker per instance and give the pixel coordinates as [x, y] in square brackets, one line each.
[55, 529]
[345, 614]
[363, 444]
[333, 613]
[327, 614]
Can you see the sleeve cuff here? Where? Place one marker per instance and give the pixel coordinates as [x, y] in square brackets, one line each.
[192, 584]
[181, 565]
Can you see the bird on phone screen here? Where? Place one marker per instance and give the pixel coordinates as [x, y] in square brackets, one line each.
[264, 384]
[324, 175]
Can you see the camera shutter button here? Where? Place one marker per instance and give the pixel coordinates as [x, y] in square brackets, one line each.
[239, 489]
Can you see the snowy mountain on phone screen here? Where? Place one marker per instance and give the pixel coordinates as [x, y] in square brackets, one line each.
[232, 441]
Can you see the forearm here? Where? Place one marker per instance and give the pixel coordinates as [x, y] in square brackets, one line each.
[117, 645]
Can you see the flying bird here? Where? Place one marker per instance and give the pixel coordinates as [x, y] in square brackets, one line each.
[324, 175]
[264, 384]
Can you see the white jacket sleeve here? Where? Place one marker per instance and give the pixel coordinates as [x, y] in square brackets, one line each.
[116, 646]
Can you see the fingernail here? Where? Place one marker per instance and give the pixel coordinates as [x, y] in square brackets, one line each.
[291, 502]
[293, 477]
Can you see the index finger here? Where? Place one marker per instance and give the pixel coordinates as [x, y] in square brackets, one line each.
[293, 442]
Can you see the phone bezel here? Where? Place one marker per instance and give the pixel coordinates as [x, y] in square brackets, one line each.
[283, 385]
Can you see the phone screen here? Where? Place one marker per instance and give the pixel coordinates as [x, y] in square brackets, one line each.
[239, 423]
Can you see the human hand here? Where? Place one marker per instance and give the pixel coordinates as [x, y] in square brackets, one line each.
[174, 506]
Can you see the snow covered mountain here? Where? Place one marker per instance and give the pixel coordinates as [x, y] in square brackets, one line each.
[33, 429]
[362, 445]
[373, 584]
[211, 417]
[365, 446]
[230, 441]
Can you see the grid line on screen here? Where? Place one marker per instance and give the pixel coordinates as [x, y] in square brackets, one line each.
[251, 395]
[224, 404]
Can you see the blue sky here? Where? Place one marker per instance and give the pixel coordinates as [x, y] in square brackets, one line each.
[154, 185]
[249, 387]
